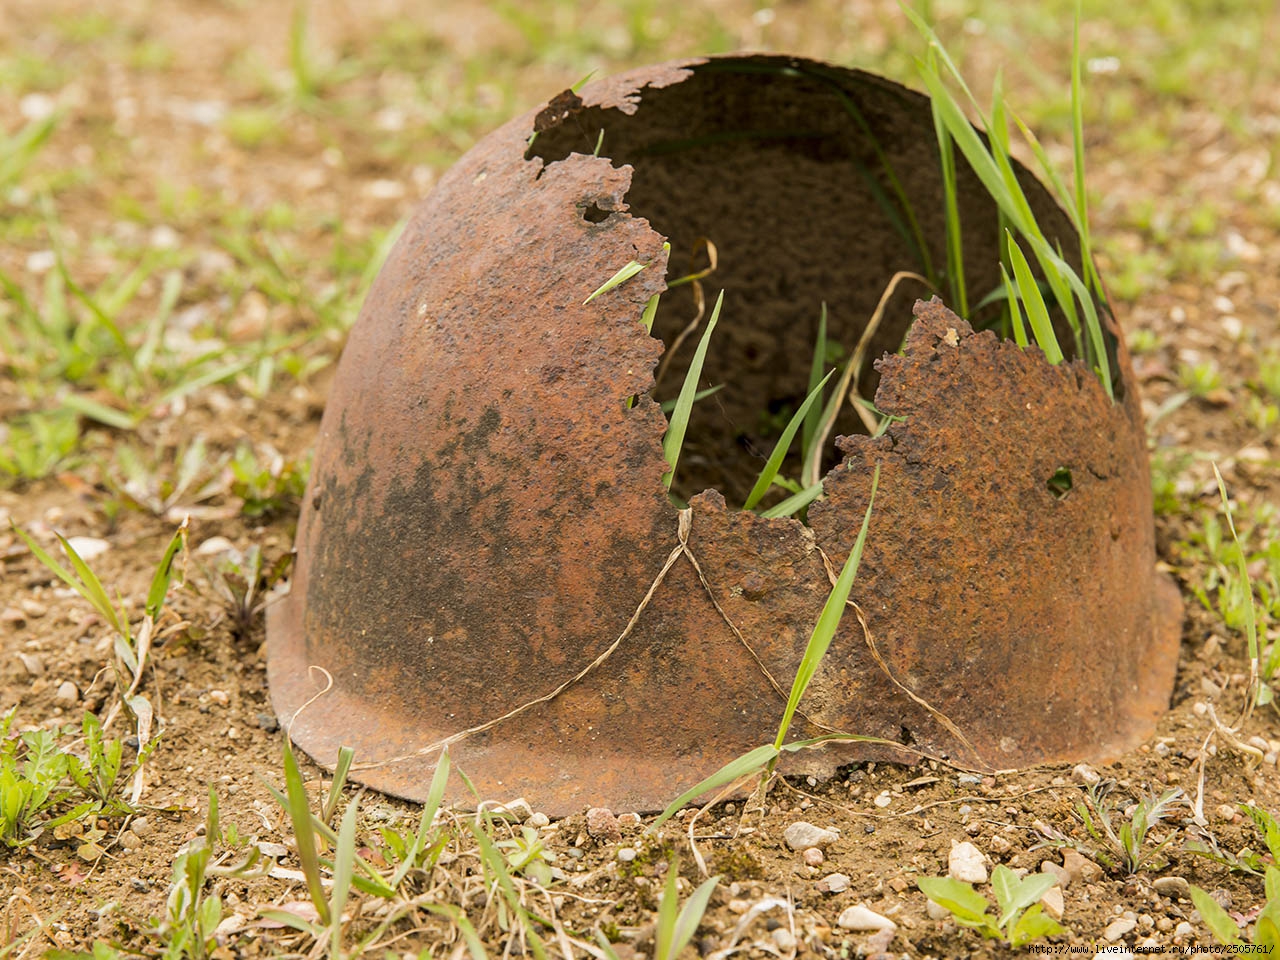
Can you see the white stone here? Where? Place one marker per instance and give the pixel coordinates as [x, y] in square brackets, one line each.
[801, 836]
[834, 883]
[784, 939]
[1118, 927]
[1053, 903]
[862, 917]
[966, 862]
[88, 547]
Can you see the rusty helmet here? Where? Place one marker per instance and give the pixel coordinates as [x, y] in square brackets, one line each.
[488, 558]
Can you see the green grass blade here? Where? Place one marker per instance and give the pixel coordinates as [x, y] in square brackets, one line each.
[108, 612]
[794, 503]
[690, 916]
[774, 463]
[100, 412]
[343, 873]
[824, 630]
[619, 278]
[814, 419]
[1242, 571]
[665, 927]
[1218, 921]
[340, 771]
[435, 795]
[750, 762]
[1037, 312]
[650, 311]
[955, 243]
[673, 439]
[669, 405]
[164, 573]
[1015, 312]
[304, 836]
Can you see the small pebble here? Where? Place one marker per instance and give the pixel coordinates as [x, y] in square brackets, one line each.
[67, 692]
[966, 862]
[539, 820]
[862, 917]
[1183, 929]
[1001, 844]
[883, 799]
[1164, 924]
[1083, 773]
[139, 884]
[219, 697]
[1172, 887]
[629, 819]
[784, 939]
[273, 850]
[936, 911]
[834, 883]
[602, 826]
[33, 608]
[130, 840]
[33, 664]
[88, 547]
[518, 808]
[814, 857]
[268, 722]
[12, 615]
[626, 854]
[1226, 811]
[1079, 867]
[576, 853]
[1118, 927]
[1058, 871]
[1053, 903]
[142, 827]
[801, 836]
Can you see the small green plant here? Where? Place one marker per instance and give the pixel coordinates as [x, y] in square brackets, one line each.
[1247, 860]
[1200, 379]
[132, 648]
[192, 915]
[267, 487]
[1020, 918]
[1266, 925]
[36, 444]
[1124, 848]
[46, 783]
[242, 584]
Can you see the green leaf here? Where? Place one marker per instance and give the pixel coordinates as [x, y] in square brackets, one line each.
[94, 594]
[111, 416]
[619, 278]
[774, 463]
[164, 573]
[300, 817]
[794, 503]
[814, 418]
[435, 794]
[686, 924]
[1033, 925]
[750, 762]
[1014, 894]
[966, 904]
[673, 439]
[824, 631]
[1037, 311]
[343, 872]
[1218, 921]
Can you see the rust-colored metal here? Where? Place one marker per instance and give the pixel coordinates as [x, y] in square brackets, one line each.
[487, 555]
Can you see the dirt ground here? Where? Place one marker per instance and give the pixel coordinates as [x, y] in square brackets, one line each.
[175, 135]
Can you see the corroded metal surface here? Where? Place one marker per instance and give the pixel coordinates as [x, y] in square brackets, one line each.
[486, 551]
